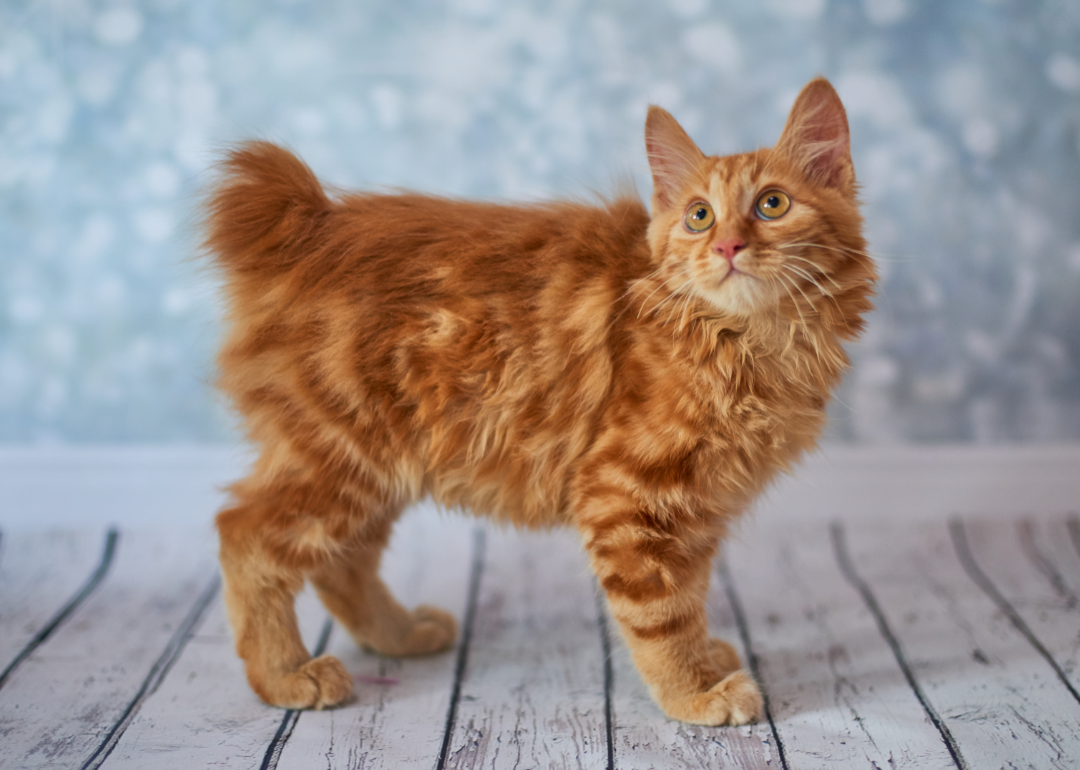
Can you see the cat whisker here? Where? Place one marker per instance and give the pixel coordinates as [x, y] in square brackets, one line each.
[671, 296]
[818, 286]
[658, 288]
[814, 265]
[809, 244]
[803, 293]
[659, 305]
[783, 280]
[655, 272]
[682, 313]
[807, 276]
[632, 285]
[843, 250]
[638, 281]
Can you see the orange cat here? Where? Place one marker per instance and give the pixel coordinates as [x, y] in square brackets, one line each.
[639, 379]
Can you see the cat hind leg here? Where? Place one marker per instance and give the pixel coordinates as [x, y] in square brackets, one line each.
[350, 587]
[724, 656]
[259, 595]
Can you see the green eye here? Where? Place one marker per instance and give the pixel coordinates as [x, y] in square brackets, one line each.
[773, 204]
[699, 217]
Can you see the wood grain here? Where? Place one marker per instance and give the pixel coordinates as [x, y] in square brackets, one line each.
[397, 724]
[998, 697]
[204, 714]
[647, 740]
[64, 701]
[1013, 560]
[137, 660]
[1053, 541]
[533, 694]
[43, 577]
[834, 685]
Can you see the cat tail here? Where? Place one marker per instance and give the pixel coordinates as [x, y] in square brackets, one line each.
[266, 210]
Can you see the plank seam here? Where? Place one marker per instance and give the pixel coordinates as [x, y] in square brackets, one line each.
[982, 580]
[463, 651]
[751, 656]
[157, 674]
[1073, 525]
[107, 555]
[847, 568]
[292, 716]
[1044, 565]
[609, 676]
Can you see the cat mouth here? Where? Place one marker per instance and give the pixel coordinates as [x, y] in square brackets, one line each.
[731, 274]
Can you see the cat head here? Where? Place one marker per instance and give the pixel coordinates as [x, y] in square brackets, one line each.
[776, 230]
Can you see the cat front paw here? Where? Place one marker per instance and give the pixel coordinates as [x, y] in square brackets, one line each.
[734, 700]
[320, 683]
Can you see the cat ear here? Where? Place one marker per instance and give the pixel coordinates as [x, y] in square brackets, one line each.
[816, 136]
[673, 156]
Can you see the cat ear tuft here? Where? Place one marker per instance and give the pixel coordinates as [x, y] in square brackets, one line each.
[673, 156]
[816, 136]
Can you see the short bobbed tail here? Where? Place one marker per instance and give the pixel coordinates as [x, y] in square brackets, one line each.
[266, 208]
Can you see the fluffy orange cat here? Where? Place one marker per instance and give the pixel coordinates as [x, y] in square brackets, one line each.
[639, 378]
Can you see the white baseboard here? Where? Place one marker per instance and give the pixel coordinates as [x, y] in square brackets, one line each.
[181, 487]
[918, 483]
[129, 486]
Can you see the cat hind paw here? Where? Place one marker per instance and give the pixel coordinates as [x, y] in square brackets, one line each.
[425, 631]
[320, 683]
[434, 631]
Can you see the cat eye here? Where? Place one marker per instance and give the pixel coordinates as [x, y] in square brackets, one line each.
[773, 204]
[699, 217]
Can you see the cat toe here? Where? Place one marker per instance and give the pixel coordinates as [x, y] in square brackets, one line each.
[317, 684]
[723, 656]
[331, 679]
[742, 696]
[734, 700]
[434, 631]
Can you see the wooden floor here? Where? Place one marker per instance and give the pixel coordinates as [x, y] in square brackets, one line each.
[936, 644]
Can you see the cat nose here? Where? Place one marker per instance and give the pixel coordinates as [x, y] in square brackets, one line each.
[730, 247]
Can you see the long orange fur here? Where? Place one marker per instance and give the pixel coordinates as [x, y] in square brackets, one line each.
[553, 364]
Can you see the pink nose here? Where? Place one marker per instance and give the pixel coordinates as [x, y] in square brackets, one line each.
[730, 247]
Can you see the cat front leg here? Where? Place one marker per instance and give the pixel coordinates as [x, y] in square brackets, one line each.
[654, 570]
[260, 588]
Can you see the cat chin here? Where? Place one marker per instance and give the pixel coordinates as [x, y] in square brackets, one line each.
[741, 295]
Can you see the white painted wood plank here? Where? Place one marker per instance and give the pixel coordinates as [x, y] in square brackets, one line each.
[645, 739]
[59, 706]
[1001, 702]
[1020, 560]
[39, 573]
[1057, 540]
[395, 725]
[835, 689]
[533, 694]
[204, 714]
[1072, 528]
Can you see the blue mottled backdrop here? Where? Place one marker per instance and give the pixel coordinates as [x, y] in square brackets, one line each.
[966, 135]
